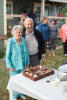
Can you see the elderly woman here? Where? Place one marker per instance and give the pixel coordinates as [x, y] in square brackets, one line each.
[17, 56]
[35, 42]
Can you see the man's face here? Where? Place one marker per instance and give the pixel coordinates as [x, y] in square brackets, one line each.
[29, 25]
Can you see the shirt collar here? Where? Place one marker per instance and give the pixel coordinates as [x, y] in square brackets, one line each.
[30, 33]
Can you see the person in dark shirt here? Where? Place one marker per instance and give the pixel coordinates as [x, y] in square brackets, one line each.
[32, 14]
[44, 29]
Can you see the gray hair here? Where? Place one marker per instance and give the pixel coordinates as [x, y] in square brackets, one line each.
[27, 19]
[15, 28]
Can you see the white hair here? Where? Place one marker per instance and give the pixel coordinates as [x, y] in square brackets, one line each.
[27, 19]
[15, 28]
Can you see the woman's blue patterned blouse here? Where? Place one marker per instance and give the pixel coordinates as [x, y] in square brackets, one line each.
[17, 55]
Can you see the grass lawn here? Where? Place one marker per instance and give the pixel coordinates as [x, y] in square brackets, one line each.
[53, 62]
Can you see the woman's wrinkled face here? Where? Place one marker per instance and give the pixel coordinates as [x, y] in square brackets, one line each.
[29, 25]
[18, 34]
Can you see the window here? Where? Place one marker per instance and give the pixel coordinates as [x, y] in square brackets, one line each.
[9, 6]
[38, 6]
[38, 14]
[46, 11]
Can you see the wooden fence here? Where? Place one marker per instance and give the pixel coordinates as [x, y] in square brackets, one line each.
[3, 37]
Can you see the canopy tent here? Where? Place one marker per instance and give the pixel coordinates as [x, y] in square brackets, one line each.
[60, 1]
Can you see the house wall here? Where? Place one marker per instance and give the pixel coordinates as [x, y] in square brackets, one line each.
[1, 22]
[1, 17]
[50, 10]
[20, 5]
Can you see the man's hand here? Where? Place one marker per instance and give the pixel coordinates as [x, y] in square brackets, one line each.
[43, 58]
[43, 55]
[27, 66]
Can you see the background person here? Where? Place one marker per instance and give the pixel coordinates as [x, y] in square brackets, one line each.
[44, 29]
[35, 42]
[63, 36]
[17, 56]
[32, 14]
[24, 15]
[53, 37]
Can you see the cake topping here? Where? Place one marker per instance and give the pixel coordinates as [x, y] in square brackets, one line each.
[35, 75]
[38, 72]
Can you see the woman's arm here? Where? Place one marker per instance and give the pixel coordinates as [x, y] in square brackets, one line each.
[8, 54]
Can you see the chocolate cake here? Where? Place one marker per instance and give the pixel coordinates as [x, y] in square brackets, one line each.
[38, 72]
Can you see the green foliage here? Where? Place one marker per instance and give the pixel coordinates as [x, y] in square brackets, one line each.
[64, 10]
[9, 34]
[9, 28]
[2, 53]
[59, 42]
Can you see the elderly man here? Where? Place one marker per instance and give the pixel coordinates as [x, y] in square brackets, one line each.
[34, 41]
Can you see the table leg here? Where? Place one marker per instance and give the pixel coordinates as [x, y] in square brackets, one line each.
[10, 95]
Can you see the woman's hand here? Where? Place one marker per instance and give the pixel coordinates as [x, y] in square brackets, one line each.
[12, 69]
[27, 66]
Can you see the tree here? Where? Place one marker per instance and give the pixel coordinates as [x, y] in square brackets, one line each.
[64, 10]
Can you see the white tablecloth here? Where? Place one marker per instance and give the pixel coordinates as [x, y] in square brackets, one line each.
[63, 68]
[40, 89]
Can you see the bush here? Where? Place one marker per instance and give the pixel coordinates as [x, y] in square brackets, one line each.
[2, 53]
[9, 34]
[59, 42]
